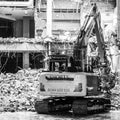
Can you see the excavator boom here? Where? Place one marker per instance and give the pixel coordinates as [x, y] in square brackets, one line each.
[91, 27]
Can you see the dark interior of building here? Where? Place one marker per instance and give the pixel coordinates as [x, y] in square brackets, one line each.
[36, 60]
[10, 62]
[6, 28]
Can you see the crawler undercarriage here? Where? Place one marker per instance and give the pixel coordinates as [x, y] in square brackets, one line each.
[78, 105]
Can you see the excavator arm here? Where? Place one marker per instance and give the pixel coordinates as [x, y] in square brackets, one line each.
[91, 27]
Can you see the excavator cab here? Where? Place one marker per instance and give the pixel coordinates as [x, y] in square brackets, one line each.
[58, 63]
[62, 63]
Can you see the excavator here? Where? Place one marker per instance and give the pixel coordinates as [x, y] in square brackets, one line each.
[75, 83]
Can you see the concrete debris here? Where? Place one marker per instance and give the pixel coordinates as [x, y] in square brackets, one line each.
[18, 91]
[115, 96]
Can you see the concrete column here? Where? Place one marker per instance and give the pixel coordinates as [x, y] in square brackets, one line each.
[26, 60]
[26, 34]
[116, 58]
[26, 27]
[14, 28]
[49, 17]
[19, 28]
[49, 24]
[118, 19]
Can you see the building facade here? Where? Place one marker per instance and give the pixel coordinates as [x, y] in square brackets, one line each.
[23, 25]
[16, 31]
[68, 15]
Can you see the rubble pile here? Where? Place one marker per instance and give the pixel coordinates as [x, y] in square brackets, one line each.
[115, 96]
[18, 91]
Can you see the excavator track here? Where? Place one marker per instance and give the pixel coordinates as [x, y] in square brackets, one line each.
[79, 106]
[51, 105]
[90, 105]
[41, 107]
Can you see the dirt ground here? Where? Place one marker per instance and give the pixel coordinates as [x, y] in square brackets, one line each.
[112, 115]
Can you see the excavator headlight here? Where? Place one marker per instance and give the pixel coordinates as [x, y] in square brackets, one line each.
[42, 87]
[78, 88]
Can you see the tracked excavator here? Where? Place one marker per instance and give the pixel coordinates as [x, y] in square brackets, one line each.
[74, 83]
